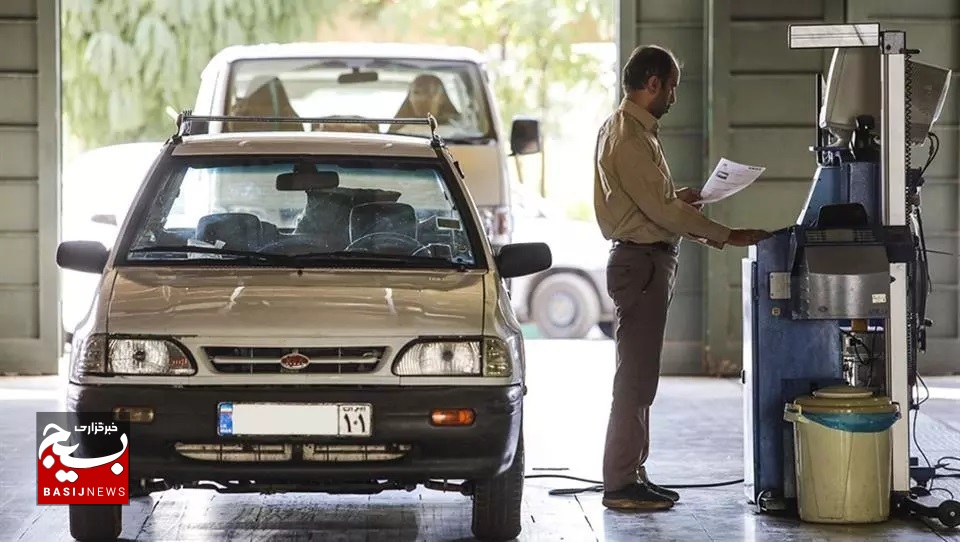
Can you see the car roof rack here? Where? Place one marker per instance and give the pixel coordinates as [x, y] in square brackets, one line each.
[189, 124]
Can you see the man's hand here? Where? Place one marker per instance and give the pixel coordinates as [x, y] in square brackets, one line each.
[689, 196]
[745, 238]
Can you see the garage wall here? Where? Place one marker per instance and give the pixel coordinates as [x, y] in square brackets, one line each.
[678, 25]
[763, 113]
[29, 141]
[756, 102]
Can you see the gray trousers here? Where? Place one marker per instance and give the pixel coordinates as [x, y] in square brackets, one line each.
[641, 281]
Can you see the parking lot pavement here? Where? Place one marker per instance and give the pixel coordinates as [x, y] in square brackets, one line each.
[697, 438]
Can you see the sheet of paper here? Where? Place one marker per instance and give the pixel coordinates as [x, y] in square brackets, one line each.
[727, 179]
[203, 255]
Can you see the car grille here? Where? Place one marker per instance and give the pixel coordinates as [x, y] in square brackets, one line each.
[260, 360]
[320, 453]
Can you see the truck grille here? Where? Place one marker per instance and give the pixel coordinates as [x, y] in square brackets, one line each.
[261, 360]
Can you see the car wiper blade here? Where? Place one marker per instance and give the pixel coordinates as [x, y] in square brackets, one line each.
[349, 255]
[468, 140]
[250, 254]
[300, 259]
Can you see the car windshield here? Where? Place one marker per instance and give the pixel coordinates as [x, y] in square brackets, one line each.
[452, 91]
[305, 212]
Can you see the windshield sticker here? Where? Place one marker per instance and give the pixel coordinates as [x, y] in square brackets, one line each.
[448, 224]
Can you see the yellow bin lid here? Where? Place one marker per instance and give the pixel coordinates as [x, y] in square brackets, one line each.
[841, 399]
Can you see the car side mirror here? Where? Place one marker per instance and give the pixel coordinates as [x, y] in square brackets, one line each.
[525, 136]
[83, 256]
[110, 220]
[520, 259]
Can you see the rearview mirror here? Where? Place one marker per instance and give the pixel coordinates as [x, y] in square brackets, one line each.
[83, 256]
[301, 181]
[525, 136]
[520, 259]
[110, 220]
[357, 76]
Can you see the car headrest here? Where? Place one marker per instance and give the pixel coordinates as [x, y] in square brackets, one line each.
[269, 232]
[238, 231]
[383, 216]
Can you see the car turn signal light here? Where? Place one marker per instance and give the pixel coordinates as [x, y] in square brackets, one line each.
[453, 417]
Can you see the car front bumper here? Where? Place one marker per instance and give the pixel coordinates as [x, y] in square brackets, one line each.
[401, 418]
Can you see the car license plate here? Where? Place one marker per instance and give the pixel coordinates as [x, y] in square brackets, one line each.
[295, 419]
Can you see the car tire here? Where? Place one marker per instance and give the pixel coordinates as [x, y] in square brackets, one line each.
[569, 292]
[497, 502]
[608, 328]
[95, 522]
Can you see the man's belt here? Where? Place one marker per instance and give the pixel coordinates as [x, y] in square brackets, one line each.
[659, 245]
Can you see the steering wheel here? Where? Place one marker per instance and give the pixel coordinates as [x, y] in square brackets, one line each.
[304, 244]
[398, 240]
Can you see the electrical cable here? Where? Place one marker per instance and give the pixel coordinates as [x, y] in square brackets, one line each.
[923, 256]
[943, 464]
[913, 430]
[945, 490]
[598, 484]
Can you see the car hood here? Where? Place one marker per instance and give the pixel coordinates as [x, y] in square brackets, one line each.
[284, 303]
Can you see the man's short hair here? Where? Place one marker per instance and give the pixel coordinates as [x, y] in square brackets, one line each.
[645, 62]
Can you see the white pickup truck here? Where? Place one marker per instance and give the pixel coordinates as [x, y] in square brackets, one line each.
[377, 80]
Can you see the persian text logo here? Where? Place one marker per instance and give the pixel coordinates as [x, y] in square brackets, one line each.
[82, 458]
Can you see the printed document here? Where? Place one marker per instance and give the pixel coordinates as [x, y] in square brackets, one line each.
[727, 179]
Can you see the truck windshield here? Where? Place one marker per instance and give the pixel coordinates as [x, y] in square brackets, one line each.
[305, 212]
[452, 91]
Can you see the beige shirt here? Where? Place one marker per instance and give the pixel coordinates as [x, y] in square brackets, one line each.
[634, 195]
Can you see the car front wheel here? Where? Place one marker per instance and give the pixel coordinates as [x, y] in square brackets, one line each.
[497, 502]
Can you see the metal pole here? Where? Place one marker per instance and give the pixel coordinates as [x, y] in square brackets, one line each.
[893, 171]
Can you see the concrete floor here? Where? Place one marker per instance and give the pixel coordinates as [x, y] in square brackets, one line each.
[697, 438]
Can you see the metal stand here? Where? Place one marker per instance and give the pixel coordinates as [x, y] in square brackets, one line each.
[790, 350]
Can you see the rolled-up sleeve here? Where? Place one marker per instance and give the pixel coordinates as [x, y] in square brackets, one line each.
[646, 185]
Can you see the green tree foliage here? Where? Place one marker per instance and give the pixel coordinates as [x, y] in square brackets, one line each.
[533, 40]
[125, 62]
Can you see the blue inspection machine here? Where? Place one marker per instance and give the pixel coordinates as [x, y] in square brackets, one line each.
[840, 296]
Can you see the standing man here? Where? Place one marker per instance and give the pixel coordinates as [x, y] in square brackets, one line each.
[641, 211]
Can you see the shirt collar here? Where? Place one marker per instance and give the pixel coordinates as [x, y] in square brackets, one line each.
[649, 122]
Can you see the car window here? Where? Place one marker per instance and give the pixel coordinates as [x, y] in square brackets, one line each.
[318, 209]
[453, 92]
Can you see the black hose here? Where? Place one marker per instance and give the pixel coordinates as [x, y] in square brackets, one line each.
[599, 484]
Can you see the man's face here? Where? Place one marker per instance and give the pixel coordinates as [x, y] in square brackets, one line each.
[666, 96]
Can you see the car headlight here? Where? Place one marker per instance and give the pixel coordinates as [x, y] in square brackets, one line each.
[487, 357]
[103, 355]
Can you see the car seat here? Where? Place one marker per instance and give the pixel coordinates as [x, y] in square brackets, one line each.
[383, 217]
[269, 233]
[238, 231]
[327, 213]
[269, 99]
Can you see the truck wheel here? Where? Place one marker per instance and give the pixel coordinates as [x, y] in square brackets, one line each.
[565, 306]
[95, 522]
[497, 502]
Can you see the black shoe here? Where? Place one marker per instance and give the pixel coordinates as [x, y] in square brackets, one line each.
[636, 496]
[668, 493]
